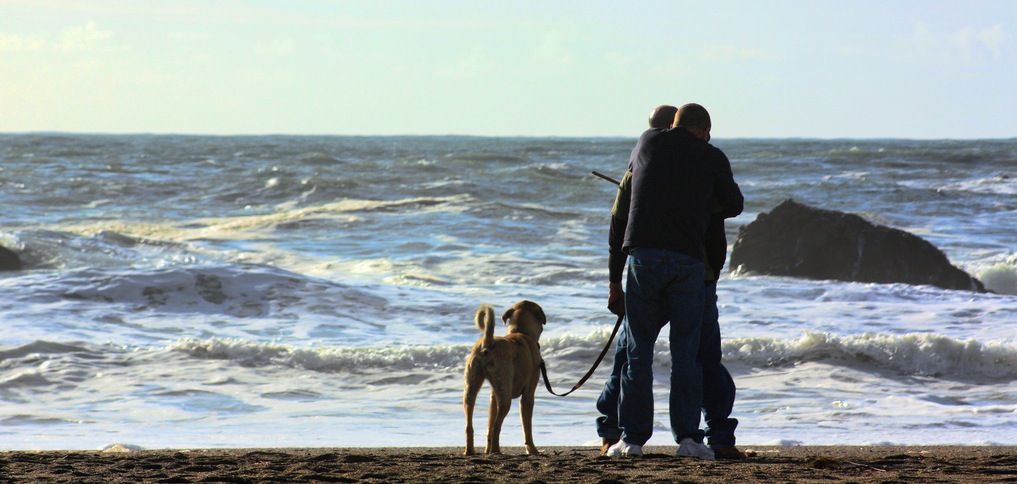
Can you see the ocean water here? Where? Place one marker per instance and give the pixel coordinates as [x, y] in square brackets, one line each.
[277, 291]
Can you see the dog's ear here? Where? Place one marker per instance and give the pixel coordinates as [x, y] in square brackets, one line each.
[540, 315]
[508, 315]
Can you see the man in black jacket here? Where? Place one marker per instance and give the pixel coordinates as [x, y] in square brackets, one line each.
[670, 183]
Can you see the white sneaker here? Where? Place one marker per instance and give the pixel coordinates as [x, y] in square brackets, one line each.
[690, 448]
[625, 449]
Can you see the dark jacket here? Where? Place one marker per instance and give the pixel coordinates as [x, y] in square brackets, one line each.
[673, 177]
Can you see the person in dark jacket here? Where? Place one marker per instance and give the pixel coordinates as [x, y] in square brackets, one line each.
[673, 224]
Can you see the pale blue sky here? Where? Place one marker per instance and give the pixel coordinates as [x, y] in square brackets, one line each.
[826, 69]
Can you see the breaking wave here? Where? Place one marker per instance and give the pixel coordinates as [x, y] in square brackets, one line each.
[909, 354]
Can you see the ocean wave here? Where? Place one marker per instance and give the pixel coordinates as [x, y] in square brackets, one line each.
[239, 291]
[484, 157]
[40, 348]
[287, 215]
[232, 291]
[558, 172]
[103, 248]
[317, 157]
[325, 359]
[344, 211]
[998, 274]
[154, 245]
[1001, 184]
[924, 355]
[998, 184]
[908, 354]
[107, 237]
[528, 210]
[353, 205]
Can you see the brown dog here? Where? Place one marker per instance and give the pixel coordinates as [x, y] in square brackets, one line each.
[511, 364]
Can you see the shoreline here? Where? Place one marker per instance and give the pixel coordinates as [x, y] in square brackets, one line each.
[554, 464]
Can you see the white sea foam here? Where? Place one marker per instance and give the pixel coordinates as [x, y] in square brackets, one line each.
[329, 360]
[1003, 184]
[908, 354]
[1000, 277]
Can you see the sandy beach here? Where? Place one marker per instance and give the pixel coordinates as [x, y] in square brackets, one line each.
[555, 464]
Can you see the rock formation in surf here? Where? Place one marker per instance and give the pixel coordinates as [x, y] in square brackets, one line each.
[9, 260]
[802, 241]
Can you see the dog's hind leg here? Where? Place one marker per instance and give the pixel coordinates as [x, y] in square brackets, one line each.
[473, 383]
[501, 403]
[526, 402]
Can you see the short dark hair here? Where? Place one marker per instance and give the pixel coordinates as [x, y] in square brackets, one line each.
[662, 116]
[693, 115]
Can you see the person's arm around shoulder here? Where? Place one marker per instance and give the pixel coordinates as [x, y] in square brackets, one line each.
[732, 202]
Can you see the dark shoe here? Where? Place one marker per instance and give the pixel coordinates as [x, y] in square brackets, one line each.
[606, 443]
[728, 453]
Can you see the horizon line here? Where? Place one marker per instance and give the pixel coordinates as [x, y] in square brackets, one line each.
[411, 135]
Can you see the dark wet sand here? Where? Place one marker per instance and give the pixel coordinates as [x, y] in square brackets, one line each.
[555, 464]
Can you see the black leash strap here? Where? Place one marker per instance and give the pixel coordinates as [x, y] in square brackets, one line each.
[603, 353]
[601, 175]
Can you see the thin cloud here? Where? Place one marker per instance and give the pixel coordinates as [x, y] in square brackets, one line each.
[21, 43]
[733, 53]
[71, 39]
[554, 50]
[969, 45]
[189, 36]
[477, 64]
[993, 39]
[278, 47]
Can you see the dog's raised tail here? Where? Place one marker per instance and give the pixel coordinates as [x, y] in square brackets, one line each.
[485, 323]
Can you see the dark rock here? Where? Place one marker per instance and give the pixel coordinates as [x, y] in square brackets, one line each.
[9, 260]
[801, 241]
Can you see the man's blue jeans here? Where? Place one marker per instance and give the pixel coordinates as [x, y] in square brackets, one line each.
[663, 287]
[607, 403]
[718, 386]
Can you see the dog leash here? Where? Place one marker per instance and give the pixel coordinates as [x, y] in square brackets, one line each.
[603, 353]
[543, 367]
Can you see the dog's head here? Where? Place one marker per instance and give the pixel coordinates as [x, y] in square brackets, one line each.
[525, 317]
